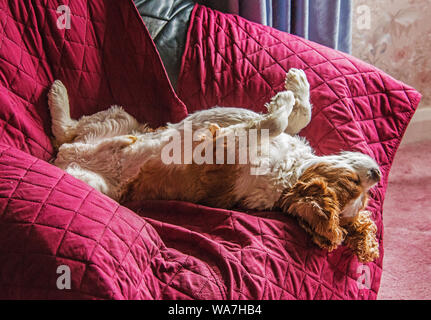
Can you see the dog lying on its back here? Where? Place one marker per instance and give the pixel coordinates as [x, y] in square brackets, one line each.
[126, 160]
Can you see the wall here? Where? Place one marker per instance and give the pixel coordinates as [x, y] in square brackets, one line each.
[397, 40]
[395, 36]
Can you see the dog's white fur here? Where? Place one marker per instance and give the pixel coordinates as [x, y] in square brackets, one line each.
[108, 149]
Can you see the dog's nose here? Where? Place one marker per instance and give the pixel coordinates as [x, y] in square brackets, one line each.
[375, 174]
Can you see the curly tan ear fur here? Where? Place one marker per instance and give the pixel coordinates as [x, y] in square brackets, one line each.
[317, 207]
[318, 199]
[361, 237]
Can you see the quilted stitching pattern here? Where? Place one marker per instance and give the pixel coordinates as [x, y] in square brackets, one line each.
[100, 60]
[176, 251]
[49, 219]
[172, 250]
[356, 106]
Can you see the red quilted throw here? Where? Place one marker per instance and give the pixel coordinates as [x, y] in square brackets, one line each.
[100, 50]
[356, 107]
[61, 239]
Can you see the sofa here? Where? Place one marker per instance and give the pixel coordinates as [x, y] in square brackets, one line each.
[61, 239]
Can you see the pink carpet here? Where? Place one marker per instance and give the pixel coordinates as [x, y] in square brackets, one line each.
[407, 223]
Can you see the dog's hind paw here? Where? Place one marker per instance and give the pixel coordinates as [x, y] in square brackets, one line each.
[57, 95]
[300, 117]
[296, 81]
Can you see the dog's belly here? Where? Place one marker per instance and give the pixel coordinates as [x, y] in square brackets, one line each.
[130, 168]
[211, 185]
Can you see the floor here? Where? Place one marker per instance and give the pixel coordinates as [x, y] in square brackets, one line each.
[407, 226]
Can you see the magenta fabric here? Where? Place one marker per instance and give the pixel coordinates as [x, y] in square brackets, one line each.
[168, 249]
[355, 107]
[105, 58]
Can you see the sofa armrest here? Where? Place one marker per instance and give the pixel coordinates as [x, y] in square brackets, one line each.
[50, 219]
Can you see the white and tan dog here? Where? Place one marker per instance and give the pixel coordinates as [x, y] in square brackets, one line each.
[126, 160]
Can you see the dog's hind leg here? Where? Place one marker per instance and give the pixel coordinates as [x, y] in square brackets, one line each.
[275, 121]
[109, 123]
[63, 127]
[296, 81]
[89, 177]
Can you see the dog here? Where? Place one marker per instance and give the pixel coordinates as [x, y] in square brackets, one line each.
[128, 161]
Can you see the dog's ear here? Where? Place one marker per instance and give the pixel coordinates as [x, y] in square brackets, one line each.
[316, 205]
[317, 195]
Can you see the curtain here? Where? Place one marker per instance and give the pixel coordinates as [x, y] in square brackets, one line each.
[328, 22]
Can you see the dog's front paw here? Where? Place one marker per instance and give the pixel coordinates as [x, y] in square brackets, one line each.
[57, 98]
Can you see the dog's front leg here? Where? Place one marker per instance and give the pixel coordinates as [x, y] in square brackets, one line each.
[277, 119]
[361, 237]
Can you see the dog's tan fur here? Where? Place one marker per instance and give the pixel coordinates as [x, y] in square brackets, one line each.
[118, 156]
[317, 199]
[209, 184]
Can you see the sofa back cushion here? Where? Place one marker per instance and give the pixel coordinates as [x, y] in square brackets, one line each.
[100, 50]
